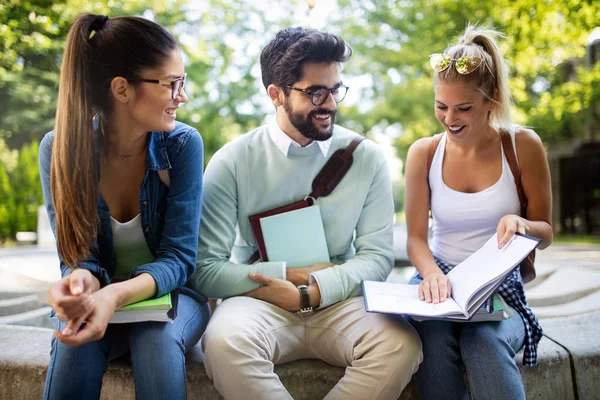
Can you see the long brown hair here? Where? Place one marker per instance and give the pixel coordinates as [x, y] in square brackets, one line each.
[97, 50]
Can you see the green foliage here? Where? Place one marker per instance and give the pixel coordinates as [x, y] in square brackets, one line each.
[27, 189]
[545, 42]
[6, 204]
[20, 193]
[392, 40]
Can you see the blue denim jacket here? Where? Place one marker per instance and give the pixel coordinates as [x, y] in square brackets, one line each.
[170, 215]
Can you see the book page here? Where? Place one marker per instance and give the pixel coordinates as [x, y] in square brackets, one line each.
[486, 266]
[397, 298]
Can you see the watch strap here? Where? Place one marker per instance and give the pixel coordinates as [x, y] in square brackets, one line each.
[305, 306]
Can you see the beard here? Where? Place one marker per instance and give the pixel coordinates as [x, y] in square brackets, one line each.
[306, 126]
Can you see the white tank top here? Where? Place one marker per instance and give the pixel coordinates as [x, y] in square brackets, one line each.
[130, 247]
[462, 222]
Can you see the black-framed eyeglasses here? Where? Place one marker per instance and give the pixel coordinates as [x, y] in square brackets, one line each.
[319, 96]
[176, 84]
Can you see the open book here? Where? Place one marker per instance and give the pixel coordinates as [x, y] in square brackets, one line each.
[493, 309]
[473, 282]
[296, 237]
[162, 309]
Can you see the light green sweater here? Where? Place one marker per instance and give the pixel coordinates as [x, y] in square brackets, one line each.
[251, 175]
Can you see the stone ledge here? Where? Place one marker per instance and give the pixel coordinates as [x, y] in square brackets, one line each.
[24, 355]
[579, 335]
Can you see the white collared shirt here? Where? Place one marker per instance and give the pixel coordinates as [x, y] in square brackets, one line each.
[283, 141]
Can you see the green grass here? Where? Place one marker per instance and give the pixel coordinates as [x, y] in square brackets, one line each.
[577, 239]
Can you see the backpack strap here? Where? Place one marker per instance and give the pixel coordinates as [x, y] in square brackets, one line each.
[511, 158]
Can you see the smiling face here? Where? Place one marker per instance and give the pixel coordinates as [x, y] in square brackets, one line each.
[154, 109]
[461, 109]
[301, 116]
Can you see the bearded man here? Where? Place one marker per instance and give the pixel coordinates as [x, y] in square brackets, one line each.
[273, 314]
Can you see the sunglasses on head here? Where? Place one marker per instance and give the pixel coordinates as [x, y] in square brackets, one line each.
[463, 65]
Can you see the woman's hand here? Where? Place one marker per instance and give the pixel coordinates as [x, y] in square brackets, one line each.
[508, 226]
[71, 297]
[435, 288]
[92, 325]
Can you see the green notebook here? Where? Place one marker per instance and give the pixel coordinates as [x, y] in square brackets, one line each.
[296, 237]
[162, 309]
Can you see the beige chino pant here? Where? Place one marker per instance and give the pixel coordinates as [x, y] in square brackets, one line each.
[247, 337]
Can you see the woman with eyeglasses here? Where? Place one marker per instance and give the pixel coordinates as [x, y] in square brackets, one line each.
[122, 183]
[463, 176]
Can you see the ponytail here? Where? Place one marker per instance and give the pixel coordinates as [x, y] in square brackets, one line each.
[491, 77]
[74, 170]
[97, 51]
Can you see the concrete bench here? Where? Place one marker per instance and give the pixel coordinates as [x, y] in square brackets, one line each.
[569, 367]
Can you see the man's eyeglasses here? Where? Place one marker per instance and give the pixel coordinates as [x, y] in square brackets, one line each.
[176, 85]
[319, 96]
[464, 65]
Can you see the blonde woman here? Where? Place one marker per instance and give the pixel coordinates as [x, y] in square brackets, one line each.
[471, 192]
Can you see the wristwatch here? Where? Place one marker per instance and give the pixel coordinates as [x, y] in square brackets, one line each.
[305, 306]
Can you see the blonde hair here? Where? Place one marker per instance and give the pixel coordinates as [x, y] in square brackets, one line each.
[490, 78]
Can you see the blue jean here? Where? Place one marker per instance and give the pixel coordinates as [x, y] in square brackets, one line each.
[157, 354]
[487, 350]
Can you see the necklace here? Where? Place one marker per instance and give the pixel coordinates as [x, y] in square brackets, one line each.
[127, 158]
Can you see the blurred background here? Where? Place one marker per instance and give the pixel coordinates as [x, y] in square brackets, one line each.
[553, 48]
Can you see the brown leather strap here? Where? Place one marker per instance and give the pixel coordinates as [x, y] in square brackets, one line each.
[328, 178]
[334, 170]
[510, 153]
[253, 258]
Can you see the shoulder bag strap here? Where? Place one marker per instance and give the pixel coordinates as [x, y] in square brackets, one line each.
[510, 153]
[328, 178]
[334, 170]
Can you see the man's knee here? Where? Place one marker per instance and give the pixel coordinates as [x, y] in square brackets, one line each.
[399, 344]
[410, 348]
[227, 336]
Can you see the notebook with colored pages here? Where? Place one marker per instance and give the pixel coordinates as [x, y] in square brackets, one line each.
[473, 281]
[296, 237]
[162, 309]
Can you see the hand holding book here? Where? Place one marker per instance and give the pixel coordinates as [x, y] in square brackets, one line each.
[435, 288]
[473, 282]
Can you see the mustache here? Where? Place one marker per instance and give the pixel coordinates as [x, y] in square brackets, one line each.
[322, 111]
